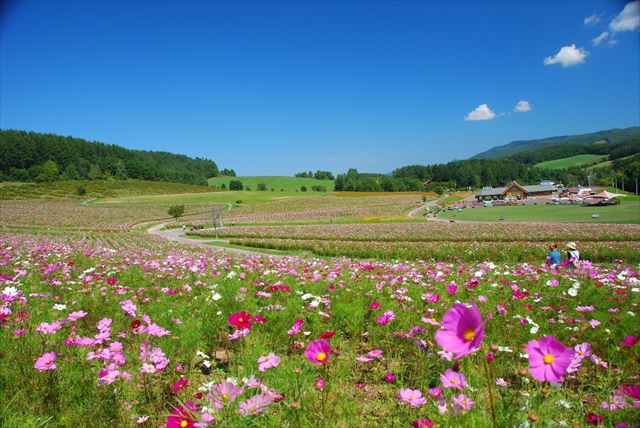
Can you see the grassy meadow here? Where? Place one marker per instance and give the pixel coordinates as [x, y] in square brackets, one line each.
[277, 183]
[576, 160]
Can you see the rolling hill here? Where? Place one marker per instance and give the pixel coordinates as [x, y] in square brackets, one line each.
[577, 160]
[610, 136]
[277, 183]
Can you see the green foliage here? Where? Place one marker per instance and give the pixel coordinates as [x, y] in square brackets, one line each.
[287, 184]
[81, 191]
[577, 160]
[176, 211]
[262, 187]
[49, 172]
[81, 159]
[303, 188]
[235, 185]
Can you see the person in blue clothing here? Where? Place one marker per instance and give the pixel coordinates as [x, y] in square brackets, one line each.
[554, 256]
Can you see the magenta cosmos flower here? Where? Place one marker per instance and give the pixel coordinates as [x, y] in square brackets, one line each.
[318, 352]
[462, 330]
[548, 359]
[46, 362]
[241, 320]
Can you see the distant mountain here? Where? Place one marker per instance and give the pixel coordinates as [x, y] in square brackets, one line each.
[31, 156]
[601, 137]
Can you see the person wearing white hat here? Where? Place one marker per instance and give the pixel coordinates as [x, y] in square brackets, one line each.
[573, 255]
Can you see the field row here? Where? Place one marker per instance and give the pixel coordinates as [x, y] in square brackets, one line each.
[437, 231]
[518, 251]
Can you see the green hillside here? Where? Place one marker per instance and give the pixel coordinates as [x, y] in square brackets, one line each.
[576, 160]
[32, 156]
[277, 183]
[611, 136]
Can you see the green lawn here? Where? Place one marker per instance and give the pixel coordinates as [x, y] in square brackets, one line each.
[626, 212]
[576, 160]
[288, 184]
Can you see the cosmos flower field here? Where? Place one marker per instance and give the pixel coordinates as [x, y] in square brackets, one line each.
[132, 331]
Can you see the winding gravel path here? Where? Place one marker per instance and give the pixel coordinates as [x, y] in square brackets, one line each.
[178, 235]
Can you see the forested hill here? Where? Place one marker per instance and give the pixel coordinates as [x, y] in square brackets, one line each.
[515, 147]
[31, 156]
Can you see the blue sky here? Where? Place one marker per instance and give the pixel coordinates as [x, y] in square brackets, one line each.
[279, 87]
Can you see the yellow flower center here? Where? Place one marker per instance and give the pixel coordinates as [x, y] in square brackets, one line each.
[469, 334]
[452, 380]
[240, 319]
[321, 356]
[184, 423]
[225, 395]
[548, 359]
[411, 398]
[47, 361]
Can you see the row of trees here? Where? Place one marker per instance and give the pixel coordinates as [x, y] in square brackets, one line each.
[30, 156]
[615, 151]
[318, 175]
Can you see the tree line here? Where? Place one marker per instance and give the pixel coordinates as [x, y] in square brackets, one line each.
[31, 156]
[318, 175]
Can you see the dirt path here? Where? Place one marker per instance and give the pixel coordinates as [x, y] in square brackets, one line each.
[177, 235]
[414, 213]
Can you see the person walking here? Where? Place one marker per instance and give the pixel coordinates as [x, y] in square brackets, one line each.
[573, 255]
[553, 259]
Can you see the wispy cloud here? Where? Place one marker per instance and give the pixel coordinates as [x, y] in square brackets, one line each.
[592, 20]
[522, 106]
[482, 112]
[628, 19]
[568, 56]
[601, 38]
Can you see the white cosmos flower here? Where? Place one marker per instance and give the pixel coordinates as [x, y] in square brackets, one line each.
[572, 292]
[10, 291]
[59, 307]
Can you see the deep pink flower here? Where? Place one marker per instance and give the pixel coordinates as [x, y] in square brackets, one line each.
[181, 417]
[593, 419]
[46, 362]
[327, 334]
[390, 377]
[240, 320]
[548, 359]
[180, 384]
[629, 341]
[318, 352]
[632, 391]
[374, 305]
[422, 423]
[413, 397]
[462, 330]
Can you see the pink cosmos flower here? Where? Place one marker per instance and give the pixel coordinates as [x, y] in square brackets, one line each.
[46, 362]
[413, 397]
[223, 394]
[296, 328]
[46, 328]
[548, 359]
[268, 361]
[319, 384]
[75, 316]
[374, 305]
[451, 379]
[463, 402]
[583, 350]
[318, 352]
[463, 330]
[255, 405]
[376, 353]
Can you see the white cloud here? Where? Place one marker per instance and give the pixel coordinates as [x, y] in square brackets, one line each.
[567, 56]
[522, 106]
[628, 19]
[592, 20]
[482, 112]
[601, 38]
